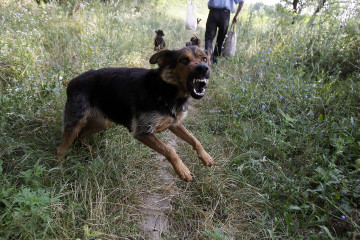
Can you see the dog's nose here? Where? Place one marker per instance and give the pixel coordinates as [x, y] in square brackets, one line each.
[202, 68]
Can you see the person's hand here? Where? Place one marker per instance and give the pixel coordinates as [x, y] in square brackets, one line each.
[234, 21]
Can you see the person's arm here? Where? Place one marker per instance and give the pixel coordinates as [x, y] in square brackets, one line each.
[241, 4]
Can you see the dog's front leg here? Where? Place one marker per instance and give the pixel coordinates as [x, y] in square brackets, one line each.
[155, 143]
[180, 131]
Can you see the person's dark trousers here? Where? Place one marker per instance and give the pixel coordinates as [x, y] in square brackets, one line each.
[218, 18]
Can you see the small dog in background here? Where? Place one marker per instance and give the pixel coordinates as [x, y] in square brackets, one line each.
[159, 41]
[194, 41]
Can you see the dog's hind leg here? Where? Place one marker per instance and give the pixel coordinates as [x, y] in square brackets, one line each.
[93, 125]
[69, 135]
[180, 131]
[74, 117]
[159, 146]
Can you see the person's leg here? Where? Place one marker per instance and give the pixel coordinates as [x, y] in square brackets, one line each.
[210, 31]
[223, 23]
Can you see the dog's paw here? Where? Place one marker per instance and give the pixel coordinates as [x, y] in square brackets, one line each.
[183, 172]
[61, 158]
[59, 153]
[86, 144]
[206, 159]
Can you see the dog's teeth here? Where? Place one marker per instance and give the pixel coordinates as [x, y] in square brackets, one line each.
[199, 93]
[200, 80]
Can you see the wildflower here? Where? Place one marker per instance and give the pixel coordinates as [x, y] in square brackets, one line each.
[91, 46]
[261, 74]
[286, 110]
[306, 96]
[343, 217]
[246, 42]
[262, 60]
[238, 113]
[281, 97]
[286, 86]
[315, 124]
[311, 129]
[296, 62]
[258, 52]
[219, 111]
[263, 106]
[270, 49]
[210, 111]
[243, 90]
[294, 53]
[249, 79]
[278, 75]
[341, 25]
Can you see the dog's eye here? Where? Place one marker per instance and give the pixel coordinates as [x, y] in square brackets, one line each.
[204, 59]
[185, 61]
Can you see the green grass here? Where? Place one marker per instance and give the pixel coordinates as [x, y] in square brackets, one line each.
[281, 120]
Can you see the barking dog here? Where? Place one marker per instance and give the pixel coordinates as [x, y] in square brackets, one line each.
[159, 41]
[145, 101]
[194, 41]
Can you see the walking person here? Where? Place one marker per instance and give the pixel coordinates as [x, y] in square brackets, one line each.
[218, 19]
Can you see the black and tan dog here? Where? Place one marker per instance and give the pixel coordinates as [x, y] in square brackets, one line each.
[159, 42]
[194, 41]
[146, 101]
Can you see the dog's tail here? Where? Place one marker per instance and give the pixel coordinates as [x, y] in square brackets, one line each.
[77, 108]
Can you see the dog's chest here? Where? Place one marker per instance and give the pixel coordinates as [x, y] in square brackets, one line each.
[152, 122]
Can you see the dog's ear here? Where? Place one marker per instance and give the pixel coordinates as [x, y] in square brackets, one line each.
[162, 58]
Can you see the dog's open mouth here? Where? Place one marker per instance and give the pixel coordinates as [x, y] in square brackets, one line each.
[197, 88]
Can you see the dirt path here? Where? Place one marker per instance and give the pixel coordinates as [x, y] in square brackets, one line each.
[156, 204]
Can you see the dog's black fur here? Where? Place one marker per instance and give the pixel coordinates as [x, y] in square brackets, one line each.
[121, 94]
[145, 101]
[159, 41]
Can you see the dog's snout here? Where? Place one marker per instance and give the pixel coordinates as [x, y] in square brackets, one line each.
[202, 68]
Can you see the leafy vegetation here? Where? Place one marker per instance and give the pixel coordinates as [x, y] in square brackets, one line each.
[281, 120]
